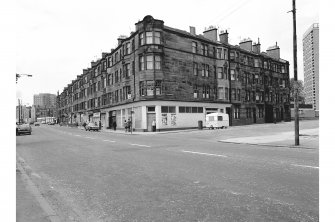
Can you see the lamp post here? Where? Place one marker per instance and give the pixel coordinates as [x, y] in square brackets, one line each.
[20, 75]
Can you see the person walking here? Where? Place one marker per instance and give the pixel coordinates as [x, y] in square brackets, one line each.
[154, 125]
[99, 124]
[129, 125]
[114, 125]
[125, 125]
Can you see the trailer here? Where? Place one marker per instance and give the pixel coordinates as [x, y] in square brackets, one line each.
[217, 120]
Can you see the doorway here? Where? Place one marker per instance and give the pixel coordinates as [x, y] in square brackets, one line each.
[228, 111]
[150, 117]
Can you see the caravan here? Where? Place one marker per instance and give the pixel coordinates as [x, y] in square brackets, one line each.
[217, 120]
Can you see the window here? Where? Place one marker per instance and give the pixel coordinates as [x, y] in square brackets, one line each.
[187, 109]
[158, 86]
[142, 88]
[195, 92]
[203, 69]
[127, 48]
[127, 92]
[238, 94]
[205, 92]
[219, 53]
[256, 62]
[148, 38]
[226, 92]
[141, 63]
[127, 70]
[236, 112]
[207, 71]
[220, 72]
[194, 47]
[142, 38]
[221, 93]
[116, 76]
[168, 109]
[225, 54]
[157, 37]
[232, 74]
[157, 62]
[206, 50]
[150, 61]
[232, 56]
[195, 68]
[233, 94]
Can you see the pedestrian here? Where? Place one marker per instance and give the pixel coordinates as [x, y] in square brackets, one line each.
[129, 125]
[114, 125]
[84, 125]
[125, 125]
[154, 125]
[99, 125]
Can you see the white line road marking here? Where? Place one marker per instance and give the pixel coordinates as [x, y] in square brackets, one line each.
[109, 141]
[207, 154]
[89, 137]
[139, 145]
[314, 167]
[77, 135]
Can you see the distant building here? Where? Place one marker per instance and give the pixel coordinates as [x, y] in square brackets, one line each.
[311, 66]
[45, 100]
[23, 112]
[42, 112]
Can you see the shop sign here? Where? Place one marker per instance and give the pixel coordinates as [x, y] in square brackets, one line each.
[96, 114]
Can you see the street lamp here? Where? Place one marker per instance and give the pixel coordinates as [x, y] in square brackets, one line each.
[20, 75]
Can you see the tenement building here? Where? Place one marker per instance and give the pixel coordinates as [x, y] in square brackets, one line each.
[311, 66]
[175, 78]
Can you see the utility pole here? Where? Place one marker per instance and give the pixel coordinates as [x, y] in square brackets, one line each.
[296, 102]
[19, 111]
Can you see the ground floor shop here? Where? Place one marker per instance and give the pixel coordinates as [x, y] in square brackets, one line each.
[160, 115]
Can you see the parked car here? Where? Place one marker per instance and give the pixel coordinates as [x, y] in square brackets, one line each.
[37, 124]
[51, 123]
[92, 126]
[23, 129]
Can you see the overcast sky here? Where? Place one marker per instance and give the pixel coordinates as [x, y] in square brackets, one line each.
[56, 40]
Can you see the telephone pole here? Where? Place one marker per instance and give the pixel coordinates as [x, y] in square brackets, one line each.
[295, 88]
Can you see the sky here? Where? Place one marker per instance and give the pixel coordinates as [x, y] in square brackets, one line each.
[56, 40]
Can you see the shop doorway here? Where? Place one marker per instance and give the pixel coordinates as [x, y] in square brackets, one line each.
[150, 117]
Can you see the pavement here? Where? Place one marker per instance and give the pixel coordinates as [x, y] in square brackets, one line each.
[30, 205]
[268, 134]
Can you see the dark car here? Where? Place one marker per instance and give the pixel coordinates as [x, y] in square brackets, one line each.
[92, 126]
[23, 129]
[37, 124]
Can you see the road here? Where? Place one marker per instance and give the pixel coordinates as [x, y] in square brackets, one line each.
[102, 176]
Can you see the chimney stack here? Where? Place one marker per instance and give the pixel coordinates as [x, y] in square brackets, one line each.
[246, 44]
[256, 47]
[211, 33]
[104, 54]
[224, 37]
[192, 30]
[274, 51]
